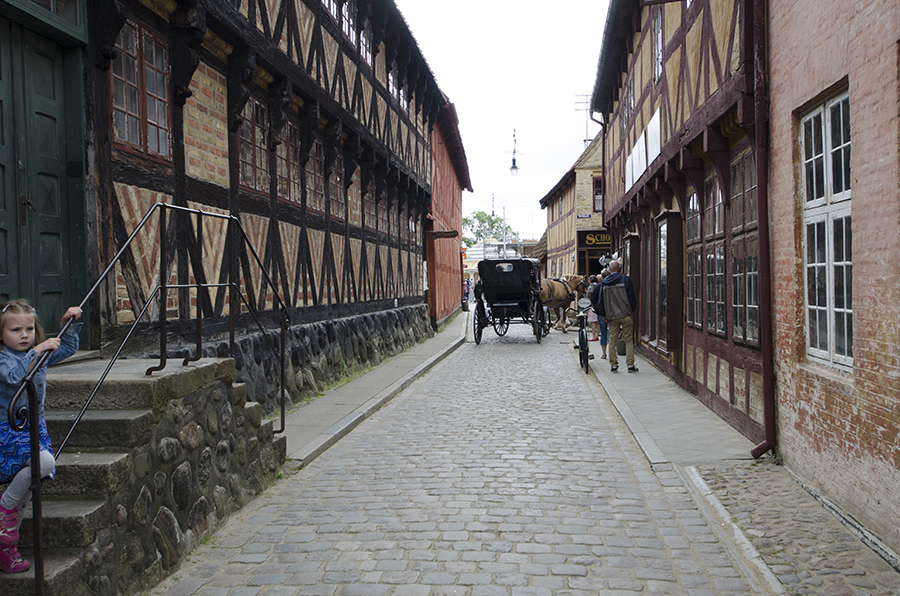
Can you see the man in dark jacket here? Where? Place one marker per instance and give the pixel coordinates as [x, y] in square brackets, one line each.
[614, 301]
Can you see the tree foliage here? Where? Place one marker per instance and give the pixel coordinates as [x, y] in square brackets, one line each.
[482, 226]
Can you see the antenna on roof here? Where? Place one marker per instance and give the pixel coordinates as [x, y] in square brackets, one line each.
[582, 104]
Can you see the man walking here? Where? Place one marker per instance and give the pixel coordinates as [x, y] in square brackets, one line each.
[614, 301]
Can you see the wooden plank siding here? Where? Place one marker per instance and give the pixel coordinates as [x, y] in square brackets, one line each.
[274, 114]
[675, 90]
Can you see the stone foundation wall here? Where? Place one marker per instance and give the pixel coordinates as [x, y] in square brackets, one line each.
[321, 354]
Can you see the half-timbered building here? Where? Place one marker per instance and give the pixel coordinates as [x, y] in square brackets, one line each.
[764, 252]
[576, 236]
[685, 144]
[309, 121]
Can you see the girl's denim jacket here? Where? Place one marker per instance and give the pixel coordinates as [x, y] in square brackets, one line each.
[14, 366]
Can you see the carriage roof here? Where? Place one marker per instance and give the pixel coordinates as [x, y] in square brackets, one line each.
[509, 272]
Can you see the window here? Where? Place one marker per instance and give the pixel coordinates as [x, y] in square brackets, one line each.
[336, 189]
[348, 20]
[744, 250]
[828, 236]
[365, 43]
[392, 80]
[598, 194]
[692, 219]
[315, 177]
[694, 287]
[140, 93]
[657, 46]
[743, 192]
[715, 209]
[661, 241]
[332, 7]
[369, 207]
[288, 157]
[715, 288]
[254, 155]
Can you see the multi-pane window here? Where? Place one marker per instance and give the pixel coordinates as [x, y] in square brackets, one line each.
[254, 153]
[828, 235]
[348, 20]
[288, 156]
[657, 45]
[744, 257]
[140, 93]
[598, 194]
[383, 219]
[369, 207]
[715, 209]
[694, 287]
[332, 7]
[692, 219]
[365, 43]
[743, 192]
[315, 177]
[336, 202]
[392, 80]
[662, 285]
[715, 288]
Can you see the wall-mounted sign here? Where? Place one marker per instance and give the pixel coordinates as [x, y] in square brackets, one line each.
[599, 239]
[583, 216]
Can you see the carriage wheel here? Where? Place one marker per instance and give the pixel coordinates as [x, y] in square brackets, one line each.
[537, 325]
[479, 321]
[501, 326]
[545, 320]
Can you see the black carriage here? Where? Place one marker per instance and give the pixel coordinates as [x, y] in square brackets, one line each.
[507, 292]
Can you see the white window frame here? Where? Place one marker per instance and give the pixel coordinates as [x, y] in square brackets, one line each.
[657, 45]
[828, 207]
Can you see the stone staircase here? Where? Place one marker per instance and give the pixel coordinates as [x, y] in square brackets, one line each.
[155, 465]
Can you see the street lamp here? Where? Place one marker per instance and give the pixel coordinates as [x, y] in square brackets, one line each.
[514, 169]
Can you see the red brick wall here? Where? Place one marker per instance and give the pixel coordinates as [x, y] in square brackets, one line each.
[444, 257]
[838, 427]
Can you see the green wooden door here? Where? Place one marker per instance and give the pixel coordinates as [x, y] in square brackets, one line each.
[33, 204]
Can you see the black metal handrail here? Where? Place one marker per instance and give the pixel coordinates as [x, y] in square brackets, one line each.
[21, 416]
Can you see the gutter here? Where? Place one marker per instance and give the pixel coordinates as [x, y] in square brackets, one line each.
[760, 113]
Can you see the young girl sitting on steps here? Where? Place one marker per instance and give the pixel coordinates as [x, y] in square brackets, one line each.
[23, 343]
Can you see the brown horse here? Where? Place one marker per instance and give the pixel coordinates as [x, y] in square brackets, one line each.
[558, 294]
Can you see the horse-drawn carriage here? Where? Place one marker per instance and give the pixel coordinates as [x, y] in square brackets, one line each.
[509, 290]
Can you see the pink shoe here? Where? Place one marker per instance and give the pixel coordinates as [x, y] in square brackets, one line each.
[9, 534]
[11, 561]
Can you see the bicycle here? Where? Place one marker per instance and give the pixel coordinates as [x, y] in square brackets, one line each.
[584, 353]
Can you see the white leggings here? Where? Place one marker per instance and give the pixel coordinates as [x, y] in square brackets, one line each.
[18, 493]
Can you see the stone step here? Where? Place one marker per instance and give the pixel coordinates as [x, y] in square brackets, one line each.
[89, 475]
[128, 386]
[63, 576]
[101, 428]
[66, 524]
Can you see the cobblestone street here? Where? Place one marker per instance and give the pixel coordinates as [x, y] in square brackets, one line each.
[508, 471]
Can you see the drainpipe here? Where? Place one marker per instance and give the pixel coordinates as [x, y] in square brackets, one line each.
[760, 114]
[602, 163]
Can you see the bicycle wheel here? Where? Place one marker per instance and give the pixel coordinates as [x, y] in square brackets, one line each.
[583, 352]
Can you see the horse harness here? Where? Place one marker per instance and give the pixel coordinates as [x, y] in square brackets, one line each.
[572, 291]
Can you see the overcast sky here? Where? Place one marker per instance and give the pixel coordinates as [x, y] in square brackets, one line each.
[519, 65]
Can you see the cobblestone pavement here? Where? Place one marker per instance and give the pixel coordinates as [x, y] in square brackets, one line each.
[505, 471]
[809, 549]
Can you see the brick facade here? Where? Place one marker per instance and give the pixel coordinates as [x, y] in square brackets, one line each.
[838, 423]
